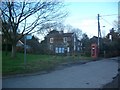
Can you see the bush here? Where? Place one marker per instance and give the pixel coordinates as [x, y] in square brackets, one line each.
[7, 47]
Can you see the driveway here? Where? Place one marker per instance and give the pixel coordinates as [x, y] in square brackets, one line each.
[90, 75]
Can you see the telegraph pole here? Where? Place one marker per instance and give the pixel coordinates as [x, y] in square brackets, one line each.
[99, 33]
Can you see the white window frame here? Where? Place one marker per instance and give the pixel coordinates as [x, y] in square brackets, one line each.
[51, 40]
[65, 39]
[68, 49]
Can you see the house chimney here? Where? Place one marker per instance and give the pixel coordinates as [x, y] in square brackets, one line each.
[61, 32]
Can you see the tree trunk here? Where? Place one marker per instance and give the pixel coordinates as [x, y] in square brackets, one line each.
[13, 54]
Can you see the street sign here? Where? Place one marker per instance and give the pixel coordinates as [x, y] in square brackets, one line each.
[28, 37]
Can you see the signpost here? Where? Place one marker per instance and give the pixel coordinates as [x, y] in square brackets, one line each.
[26, 37]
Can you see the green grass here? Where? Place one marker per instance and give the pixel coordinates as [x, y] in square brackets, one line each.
[0, 63]
[11, 66]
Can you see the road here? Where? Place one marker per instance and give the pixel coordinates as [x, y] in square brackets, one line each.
[116, 81]
[90, 75]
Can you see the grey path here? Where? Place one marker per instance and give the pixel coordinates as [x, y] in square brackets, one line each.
[90, 75]
[116, 81]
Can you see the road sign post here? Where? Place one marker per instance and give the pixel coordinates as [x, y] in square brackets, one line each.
[26, 37]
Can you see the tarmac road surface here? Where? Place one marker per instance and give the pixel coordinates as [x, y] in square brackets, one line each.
[90, 75]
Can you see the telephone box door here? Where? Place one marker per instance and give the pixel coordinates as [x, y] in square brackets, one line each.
[94, 50]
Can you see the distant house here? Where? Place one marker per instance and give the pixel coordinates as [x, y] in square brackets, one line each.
[62, 43]
[20, 47]
[7, 45]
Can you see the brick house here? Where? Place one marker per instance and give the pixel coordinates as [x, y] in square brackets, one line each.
[62, 43]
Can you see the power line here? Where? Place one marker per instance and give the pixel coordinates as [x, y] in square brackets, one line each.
[107, 21]
[109, 15]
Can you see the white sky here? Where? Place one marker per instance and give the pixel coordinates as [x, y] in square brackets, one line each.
[83, 15]
[91, 0]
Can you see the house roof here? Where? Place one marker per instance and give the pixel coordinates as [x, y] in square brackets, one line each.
[67, 34]
[20, 43]
[57, 34]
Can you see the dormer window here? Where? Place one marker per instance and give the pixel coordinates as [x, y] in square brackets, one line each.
[51, 40]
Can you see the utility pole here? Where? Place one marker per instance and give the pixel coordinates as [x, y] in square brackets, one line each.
[99, 33]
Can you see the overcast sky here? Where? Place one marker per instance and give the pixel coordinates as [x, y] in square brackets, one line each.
[83, 15]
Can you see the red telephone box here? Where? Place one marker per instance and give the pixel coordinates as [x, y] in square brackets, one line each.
[94, 51]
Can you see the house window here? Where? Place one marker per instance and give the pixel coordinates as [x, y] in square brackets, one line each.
[68, 49]
[74, 39]
[68, 38]
[51, 40]
[59, 50]
[78, 43]
[74, 47]
[62, 50]
[78, 48]
[65, 39]
[56, 50]
[51, 47]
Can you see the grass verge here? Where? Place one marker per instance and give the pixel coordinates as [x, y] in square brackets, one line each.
[11, 66]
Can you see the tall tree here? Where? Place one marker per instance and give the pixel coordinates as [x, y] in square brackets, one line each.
[86, 46]
[28, 17]
[113, 43]
[50, 27]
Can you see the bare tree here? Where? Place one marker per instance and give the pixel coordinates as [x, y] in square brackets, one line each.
[117, 24]
[28, 17]
[77, 31]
